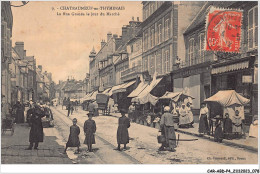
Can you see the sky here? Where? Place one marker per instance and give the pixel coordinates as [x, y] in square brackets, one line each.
[61, 44]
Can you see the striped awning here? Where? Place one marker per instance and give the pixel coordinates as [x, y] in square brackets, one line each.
[123, 87]
[232, 67]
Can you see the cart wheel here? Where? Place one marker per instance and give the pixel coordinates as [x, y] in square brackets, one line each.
[12, 131]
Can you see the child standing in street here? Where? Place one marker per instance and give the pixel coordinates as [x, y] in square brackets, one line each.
[73, 140]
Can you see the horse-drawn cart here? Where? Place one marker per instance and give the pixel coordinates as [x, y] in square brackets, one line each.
[102, 101]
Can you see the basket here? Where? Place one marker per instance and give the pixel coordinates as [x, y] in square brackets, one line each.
[161, 138]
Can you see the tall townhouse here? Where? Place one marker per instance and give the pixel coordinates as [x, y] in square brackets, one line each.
[205, 73]
[6, 50]
[160, 34]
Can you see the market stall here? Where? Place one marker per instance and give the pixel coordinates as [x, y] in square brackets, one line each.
[230, 102]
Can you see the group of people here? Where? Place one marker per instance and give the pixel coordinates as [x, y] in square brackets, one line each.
[185, 116]
[90, 129]
[228, 127]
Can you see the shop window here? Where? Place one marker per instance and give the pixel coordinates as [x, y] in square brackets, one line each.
[253, 28]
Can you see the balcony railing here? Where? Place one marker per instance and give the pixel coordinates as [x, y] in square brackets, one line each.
[199, 60]
[132, 70]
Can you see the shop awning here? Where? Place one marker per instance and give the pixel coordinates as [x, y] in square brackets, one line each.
[106, 91]
[149, 88]
[227, 98]
[145, 99]
[138, 90]
[145, 96]
[93, 96]
[115, 88]
[233, 67]
[123, 87]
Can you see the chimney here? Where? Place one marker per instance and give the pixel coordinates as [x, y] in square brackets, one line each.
[40, 67]
[19, 48]
[124, 34]
[109, 36]
[137, 19]
[133, 18]
[115, 36]
[103, 43]
[24, 53]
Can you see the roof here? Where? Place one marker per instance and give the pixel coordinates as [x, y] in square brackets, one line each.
[200, 18]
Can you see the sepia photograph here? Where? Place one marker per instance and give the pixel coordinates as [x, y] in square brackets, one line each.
[130, 82]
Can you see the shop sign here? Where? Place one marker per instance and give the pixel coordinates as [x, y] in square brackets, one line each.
[247, 79]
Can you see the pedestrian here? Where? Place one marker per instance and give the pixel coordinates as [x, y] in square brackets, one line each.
[19, 117]
[227, 127]
[68, 108]
[36, 132]
[237, 125]
[89, 130]
[184, 119]
[131, 110]
[218, 137]
[91, 107]
[73, 140]
[168, 130]
[71, 108]
[203, 124]
[253, 130]
[122, 130]
[190, 114]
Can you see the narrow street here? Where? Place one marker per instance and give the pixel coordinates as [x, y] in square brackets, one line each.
[143, 145]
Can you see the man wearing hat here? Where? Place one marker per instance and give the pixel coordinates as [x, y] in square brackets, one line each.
[167, 129]
[36, 132]
[89, 130]
[122, 130]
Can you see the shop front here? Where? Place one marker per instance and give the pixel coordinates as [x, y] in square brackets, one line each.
[236, 76]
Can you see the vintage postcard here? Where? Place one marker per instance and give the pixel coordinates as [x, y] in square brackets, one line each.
[130, 82]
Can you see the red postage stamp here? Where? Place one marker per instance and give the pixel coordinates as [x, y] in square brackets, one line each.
[223, 30]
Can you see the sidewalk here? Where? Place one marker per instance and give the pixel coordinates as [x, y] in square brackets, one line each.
[248, 143]
[50, 151]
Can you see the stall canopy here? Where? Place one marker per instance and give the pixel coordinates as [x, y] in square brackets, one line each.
[146, 99]
[123, 87]
[138, 90]
[86, 96]
[176, 96]
[227, 98]
[144, 96]
[115, 88]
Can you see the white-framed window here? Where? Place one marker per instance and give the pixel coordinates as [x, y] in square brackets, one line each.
[191, 51]
[253, 28]
[167, 29]
[167, 61]
[152, 37]
[159, 33]
[201, 47]
[145, 40]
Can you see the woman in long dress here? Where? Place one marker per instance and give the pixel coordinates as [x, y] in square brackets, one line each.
[90, 129]
[168, 130]
[237, 124]
[253, 130]
[73, 140]
[122, 130]
[184, 119]
[203, 124]
[190, 114]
